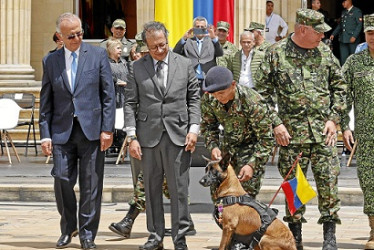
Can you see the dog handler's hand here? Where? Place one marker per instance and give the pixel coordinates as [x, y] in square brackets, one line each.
[190, 142]
[216, 154]
[245, 173]
[135, 150]
[281, 135]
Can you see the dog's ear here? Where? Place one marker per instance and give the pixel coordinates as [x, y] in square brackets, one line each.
[224, 163]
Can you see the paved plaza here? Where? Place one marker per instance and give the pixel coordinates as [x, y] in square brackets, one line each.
[29, 218]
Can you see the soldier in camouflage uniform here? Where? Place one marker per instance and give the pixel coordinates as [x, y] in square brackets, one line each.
[223, 29]
[258, 30]
[358, 71]
[305, 77]
[247, 140]
[247, 126]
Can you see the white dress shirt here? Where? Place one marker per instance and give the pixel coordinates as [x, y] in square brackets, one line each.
[273, 22]
[68, 61]
[245, 77]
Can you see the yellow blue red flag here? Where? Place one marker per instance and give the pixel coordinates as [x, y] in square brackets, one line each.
[298, 191]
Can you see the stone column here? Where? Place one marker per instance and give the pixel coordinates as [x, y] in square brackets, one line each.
[15, 41]
[246, 12]
[145, 12]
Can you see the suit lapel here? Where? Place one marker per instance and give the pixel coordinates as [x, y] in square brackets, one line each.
[62, 66]
[149, 66]
[81, 61]
[194, 46]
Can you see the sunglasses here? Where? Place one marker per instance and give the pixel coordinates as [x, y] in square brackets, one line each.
[72, 36]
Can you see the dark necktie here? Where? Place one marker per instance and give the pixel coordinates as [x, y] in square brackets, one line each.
[73, 69]
[160, 75]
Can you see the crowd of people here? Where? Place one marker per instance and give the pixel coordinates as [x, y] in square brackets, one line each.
[277, 89]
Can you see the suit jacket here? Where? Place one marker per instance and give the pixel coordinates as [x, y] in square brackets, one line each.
[92, 100]
[207, 57]
[350, 25]
[153, 111]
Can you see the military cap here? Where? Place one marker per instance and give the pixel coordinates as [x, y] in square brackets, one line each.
[140, 45]
[312, 18]
[119, 23]
[368, 22]
[218, 78]
[221, 25]
[255, 26]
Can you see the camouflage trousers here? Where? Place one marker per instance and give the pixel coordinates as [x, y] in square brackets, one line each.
[365, 171]
[138, 198]
[325, 167]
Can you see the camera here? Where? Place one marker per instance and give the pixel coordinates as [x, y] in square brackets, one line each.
[200, 31]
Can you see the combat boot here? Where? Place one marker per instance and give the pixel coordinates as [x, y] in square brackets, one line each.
[296, 231]
[329, 240]
[370, 243]
[124, 227]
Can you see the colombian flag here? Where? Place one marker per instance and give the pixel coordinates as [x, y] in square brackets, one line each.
[178, 15]
[298, 191]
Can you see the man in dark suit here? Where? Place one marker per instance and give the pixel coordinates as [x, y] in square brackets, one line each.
[162, 116]
[349, 30]
[202, 48]
[77, 112]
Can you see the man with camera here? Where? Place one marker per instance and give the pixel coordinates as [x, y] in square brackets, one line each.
[200, 44]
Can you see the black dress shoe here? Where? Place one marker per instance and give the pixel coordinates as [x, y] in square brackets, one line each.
[87, 244]
[152, 245]
[191, 231]
[65, 239]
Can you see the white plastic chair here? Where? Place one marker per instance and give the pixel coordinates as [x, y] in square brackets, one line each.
[9, 114]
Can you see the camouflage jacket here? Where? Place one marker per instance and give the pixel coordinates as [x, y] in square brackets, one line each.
[309, 89]
[263, 46]
[358, 72]
[228, 49]
[247, 125]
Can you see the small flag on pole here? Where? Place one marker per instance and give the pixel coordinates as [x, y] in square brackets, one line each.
[298, 191]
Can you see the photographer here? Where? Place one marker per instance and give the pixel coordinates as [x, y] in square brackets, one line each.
[200, 44]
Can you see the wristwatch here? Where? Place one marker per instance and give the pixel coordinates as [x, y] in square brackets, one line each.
[131, 138]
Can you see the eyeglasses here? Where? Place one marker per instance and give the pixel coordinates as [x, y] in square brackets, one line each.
[157, 47]
[72, 36]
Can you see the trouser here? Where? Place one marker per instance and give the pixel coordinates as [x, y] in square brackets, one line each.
[326, 169]
[172, 161]
[82, 157]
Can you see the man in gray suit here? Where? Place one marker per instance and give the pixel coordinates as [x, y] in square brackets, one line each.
[162, 116]
[202, 47]
[77, 112]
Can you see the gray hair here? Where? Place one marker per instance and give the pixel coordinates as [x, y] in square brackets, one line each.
[200, 18]
[152, 27]
[66, 16]
[247, 33]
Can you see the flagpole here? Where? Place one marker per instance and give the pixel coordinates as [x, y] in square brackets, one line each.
[286, 178]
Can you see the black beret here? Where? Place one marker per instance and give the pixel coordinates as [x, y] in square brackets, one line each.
[218, 78]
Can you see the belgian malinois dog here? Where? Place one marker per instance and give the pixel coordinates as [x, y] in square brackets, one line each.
[242, 219]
